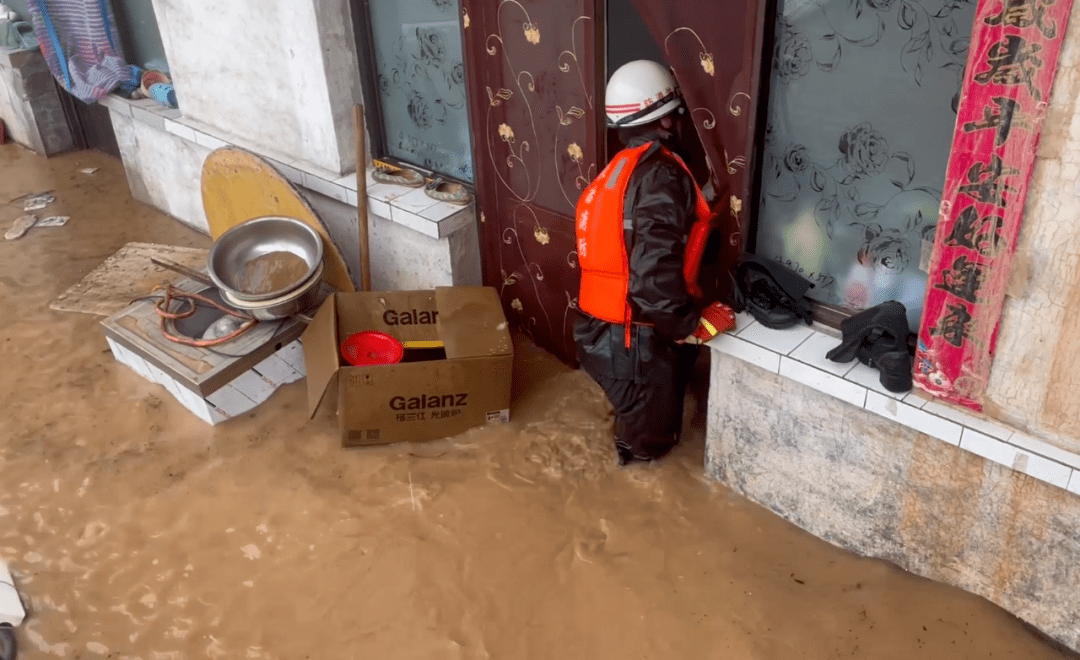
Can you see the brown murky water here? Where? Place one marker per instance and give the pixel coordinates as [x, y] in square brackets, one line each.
[136, 531]
[273, 271]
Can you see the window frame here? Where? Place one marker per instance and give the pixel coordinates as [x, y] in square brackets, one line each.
[374, 123]
[827, 314]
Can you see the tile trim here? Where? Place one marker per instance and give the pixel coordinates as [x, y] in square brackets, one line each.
[342, 188]
[989, 438]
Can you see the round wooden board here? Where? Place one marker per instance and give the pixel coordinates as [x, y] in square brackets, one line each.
[237, 186]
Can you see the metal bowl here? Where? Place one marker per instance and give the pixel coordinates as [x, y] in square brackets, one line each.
[233, 258]
[299, 300]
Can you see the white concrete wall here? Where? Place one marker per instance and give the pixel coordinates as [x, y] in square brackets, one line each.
[402, 259]
[15, 110]
[162, 169]
[280, 75]
[280, 80]
[342, 74]
[990, 509]
[865, 483]
[30, 105]
[1035, 379]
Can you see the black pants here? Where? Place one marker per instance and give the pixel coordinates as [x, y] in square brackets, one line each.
[645, 385]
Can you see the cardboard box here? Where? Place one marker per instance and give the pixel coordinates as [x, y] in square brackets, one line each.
[419, 400]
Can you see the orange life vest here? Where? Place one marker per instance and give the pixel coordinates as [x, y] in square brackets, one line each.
[601, 244]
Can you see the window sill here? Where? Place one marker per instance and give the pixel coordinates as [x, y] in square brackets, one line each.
[408, 207]
[13, 57]
[798, 354]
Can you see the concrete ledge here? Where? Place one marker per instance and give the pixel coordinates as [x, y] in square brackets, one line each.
[30, 103]
[405, 206]
[873, 485]
[417, 242]
[798, 354]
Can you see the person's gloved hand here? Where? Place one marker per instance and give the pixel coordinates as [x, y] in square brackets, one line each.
[715, 318]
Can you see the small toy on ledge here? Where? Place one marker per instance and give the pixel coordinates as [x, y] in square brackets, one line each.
[158, 86]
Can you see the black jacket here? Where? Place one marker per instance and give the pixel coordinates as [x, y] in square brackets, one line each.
[660, 199]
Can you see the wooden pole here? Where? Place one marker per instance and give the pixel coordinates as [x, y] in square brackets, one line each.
[361, 199]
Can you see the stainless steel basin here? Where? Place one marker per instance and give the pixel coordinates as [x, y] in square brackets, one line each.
[265, 258]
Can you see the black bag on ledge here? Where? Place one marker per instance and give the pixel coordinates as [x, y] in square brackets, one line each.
[878, 338]
[774, 294]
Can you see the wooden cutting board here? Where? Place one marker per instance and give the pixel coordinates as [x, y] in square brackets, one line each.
[127, 275]
[237, 186]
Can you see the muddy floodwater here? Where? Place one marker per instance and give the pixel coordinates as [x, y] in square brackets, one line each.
[134, 530]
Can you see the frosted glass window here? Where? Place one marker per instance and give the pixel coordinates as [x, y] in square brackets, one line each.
[421, 83]
[862, 107]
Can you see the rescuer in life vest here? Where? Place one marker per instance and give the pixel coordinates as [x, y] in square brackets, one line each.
[640, 324]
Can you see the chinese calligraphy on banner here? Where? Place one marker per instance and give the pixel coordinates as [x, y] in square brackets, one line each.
[1011, 66]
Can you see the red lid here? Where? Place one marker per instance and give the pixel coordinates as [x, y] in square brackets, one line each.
[363, 349]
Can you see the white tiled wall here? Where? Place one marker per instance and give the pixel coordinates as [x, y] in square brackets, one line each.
[912, 417]
[798, 353]
[823, 381]
[244, 393]
[410, 207]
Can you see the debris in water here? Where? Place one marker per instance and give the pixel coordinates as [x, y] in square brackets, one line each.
[88, 170]
[251, 552]
[21, 225]
[38, 202]
[29, 194]
[53, 221]
[97, 647]
[223, 327]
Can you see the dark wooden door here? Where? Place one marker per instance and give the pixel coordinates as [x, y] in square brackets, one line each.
[532, 83]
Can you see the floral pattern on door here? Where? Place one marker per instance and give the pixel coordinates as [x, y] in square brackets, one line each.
[531, 88]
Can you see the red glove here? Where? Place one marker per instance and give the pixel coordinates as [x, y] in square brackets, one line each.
[715, 318]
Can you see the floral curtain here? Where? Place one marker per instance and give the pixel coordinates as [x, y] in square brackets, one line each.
[532, 101]
[715, 49]
[532, 87]
[862, 104]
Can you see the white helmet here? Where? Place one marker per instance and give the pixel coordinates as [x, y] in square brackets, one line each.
[640, 92]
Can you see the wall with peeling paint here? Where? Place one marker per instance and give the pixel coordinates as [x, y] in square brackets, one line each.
[1035, 379]
[873, 486]
[282, 76]
[869, 485]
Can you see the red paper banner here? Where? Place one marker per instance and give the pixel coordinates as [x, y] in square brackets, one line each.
[1010, 72]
